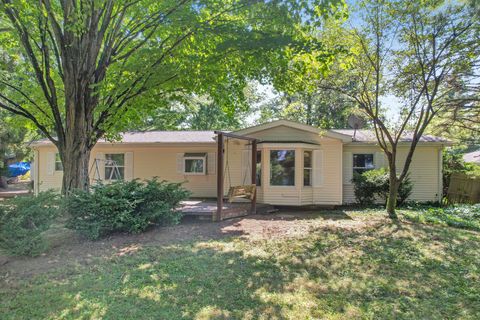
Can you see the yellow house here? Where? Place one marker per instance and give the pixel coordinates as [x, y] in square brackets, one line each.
[296, 165]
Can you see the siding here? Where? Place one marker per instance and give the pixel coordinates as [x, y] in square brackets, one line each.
[330, 191]
[161, 161]
[158, 161]
[425, 171]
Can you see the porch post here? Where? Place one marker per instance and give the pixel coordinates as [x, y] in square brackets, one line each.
[253, 208]
[218, 215]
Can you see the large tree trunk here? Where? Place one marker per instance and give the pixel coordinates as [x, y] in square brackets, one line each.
[392, 195]
[75, 167]
[77, 144]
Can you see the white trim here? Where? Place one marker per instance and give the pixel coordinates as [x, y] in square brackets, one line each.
[204, 172]
[295, 125]
[107, 165]
[283, 145]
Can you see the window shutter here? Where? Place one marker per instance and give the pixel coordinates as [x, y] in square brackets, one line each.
[379, 160]
[180, 163]
[128, 166]
[246, 167]
[347, 167]
[318, 172]
[51, 163]
[212, 163]
[99, 167]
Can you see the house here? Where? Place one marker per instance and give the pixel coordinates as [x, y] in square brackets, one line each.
[472, 157]
[296, 164]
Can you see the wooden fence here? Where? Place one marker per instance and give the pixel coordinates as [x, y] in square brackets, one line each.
[463, 189]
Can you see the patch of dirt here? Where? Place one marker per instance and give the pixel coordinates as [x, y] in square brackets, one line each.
[74, 251]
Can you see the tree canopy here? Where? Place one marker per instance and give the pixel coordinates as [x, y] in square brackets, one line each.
[83, 69]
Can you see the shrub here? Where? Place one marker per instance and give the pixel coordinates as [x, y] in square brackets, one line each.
[24, 219]
[460, 216]
[374, 184]
[127, 206]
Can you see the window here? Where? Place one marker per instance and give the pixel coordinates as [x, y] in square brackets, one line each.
[362, 163]
[259, 168]
[114, 166]
[195, 163]
[282, 167]
[307, 168]
[58, 162]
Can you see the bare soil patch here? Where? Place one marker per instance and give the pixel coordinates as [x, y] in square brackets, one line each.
[74, 251]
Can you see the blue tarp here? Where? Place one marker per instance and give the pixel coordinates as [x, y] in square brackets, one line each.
[18, 169]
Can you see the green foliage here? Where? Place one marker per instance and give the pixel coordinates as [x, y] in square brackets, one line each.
[323, 109]
[126, 206]
[24, 219]
[363, 268]
[460, 216]
[374, 184]
[13, 132]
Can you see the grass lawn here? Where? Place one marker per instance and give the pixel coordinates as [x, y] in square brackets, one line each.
[336, 265]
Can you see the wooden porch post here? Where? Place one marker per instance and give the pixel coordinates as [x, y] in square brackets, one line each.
[253, 208]
[218, 215]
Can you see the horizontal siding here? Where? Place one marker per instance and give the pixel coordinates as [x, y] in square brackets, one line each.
[46, 181]
[331, 190]
[424, 172]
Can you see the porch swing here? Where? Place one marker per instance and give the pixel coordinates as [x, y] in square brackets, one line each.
[245, 191]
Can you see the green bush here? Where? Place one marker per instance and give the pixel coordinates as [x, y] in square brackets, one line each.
[24, 219]
[463, 216]
[374, 184]
[126, 206]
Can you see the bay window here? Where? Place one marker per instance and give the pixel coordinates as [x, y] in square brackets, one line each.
[282, 167]
[307, 168]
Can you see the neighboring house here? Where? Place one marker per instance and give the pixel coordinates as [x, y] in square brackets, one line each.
[297, 164]
[472, 157]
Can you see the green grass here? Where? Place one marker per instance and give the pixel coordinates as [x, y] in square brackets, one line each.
[384, 271]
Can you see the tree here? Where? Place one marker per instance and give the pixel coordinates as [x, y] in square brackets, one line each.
[323, 109]
[410, 51]
[84, 69]
[202, 113]
[12, 143]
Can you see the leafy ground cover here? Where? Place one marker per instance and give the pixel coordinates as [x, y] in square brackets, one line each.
[318, 265]
[459, 216]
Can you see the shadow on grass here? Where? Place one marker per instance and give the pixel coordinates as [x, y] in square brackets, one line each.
[415, 272]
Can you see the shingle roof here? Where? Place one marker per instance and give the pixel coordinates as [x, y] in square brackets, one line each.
[168, 137]
[157, 137]
[369, 136]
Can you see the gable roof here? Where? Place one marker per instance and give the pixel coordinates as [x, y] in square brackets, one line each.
[368, 136]
[295, 125]
[179, 137]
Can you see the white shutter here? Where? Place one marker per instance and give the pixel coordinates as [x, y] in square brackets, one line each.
[318, 171]
[379, 160]
[99, 167]
[51, 163]
[347, 167]
[212, 163]
[128, 166]
[246, 167]
[180, 163]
